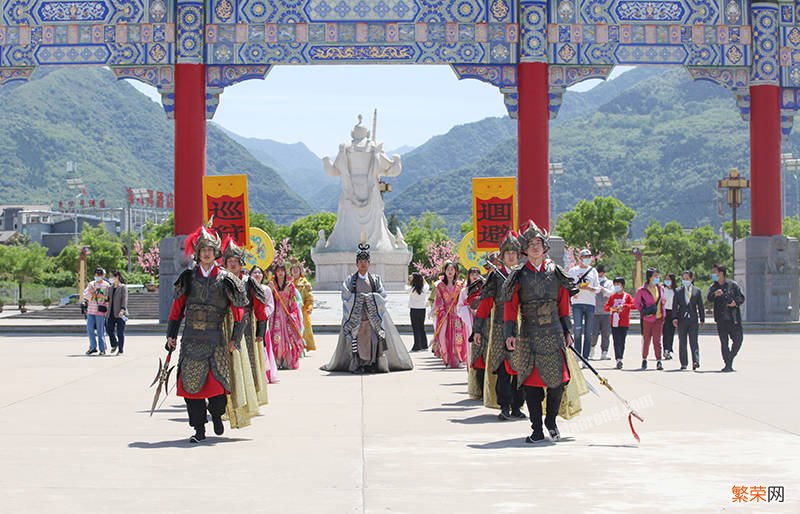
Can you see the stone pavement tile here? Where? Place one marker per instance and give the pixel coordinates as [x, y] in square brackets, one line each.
[76, 436]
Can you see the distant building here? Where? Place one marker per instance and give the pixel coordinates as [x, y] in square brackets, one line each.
[51, 229]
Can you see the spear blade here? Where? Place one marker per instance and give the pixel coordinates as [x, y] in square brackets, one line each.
[162, 377]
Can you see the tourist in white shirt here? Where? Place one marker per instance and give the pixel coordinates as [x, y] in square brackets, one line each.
[417, 301]
[583, 303]
[668, 332]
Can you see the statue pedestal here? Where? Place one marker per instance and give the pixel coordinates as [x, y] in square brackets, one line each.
[766, 269]
[173, 262]
[334, 267]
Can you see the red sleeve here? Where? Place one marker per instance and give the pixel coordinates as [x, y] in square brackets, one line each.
[238, 313]
[563, 302]
[259, 308]
[628, 305]
[609, 303]
[511, 308]
[485, 307]
[178, 304]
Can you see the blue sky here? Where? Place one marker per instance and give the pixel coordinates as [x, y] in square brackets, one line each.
[318, 105]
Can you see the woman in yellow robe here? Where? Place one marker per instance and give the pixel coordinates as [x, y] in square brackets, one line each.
[304, 286]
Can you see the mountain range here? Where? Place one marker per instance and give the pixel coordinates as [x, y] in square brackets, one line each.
[118, 137]
[663, 139]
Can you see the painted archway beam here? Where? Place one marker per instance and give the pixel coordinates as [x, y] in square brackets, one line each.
[504, 77]
[217, 79]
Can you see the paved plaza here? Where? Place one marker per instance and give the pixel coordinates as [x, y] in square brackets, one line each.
[76, 436]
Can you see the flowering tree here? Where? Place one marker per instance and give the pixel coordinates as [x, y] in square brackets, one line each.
[437, 253]
[149, 260]
[283, 251]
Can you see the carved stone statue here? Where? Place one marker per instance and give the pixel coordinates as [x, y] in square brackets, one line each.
[361, 164]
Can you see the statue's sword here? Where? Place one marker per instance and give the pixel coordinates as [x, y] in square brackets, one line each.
[162, 378]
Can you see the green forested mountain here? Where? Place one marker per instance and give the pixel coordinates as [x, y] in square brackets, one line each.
[298, 166]
[460, 146]
[664, 140]
[118, 137]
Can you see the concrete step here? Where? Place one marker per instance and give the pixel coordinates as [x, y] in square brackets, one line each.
[140, 306]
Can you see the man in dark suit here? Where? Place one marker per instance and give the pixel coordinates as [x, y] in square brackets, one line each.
[727, 298]
[687, 315]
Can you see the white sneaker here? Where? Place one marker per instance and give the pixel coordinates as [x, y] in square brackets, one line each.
[604, 356]
[591, 354]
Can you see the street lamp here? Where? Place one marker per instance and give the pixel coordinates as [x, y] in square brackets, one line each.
[734, 184]
[556, 169]
[75, 184]
[139, 194]
[602, 182]
[791, 164]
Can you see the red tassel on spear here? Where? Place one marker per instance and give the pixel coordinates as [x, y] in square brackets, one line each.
[631, 412]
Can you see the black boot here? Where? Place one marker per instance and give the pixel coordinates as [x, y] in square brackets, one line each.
[219, 428]
[553, 404]
[199, 435]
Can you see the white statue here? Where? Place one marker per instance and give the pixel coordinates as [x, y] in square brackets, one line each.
[360, 164]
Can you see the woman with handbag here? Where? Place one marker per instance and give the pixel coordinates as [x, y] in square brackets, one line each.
[650, 301]
[117, 312]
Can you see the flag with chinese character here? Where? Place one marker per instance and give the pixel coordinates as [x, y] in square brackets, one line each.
[225, 199]
[494, 210]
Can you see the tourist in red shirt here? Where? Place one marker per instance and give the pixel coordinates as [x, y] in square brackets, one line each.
[619, 304]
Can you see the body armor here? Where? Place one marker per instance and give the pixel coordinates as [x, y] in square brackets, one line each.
[251, 332]
[203, 345]
[492, 340]
[540, 343]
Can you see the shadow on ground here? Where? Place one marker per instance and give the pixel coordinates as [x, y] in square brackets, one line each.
[184, 443]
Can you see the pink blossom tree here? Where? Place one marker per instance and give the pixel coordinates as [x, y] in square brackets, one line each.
[437, 253]
[149, 260]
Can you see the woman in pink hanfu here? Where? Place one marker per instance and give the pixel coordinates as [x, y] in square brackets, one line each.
[287, 342]
[269, 355]
[450, 336]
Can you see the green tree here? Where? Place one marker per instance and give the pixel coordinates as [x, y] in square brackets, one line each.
[25, 264]
[421, 231]
[791, 227]
[603, 223]
[303, 234]
[153, 233]
[105, 250]
[742, 228]
[264, 222]
[673, 249]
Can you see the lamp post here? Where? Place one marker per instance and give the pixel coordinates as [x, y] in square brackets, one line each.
[556, 169]
[791, 164]
[139, 194]
[734, 184]
[75, 184]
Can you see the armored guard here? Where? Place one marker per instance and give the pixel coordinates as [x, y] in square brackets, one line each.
[254, 321]
[538, 295]
[203, 295]
[488, 341]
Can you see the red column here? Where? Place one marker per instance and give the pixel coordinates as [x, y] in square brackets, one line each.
[533, 143]
[765, 161]
[190, 145]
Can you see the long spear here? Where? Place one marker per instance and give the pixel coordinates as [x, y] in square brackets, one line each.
[631, 412]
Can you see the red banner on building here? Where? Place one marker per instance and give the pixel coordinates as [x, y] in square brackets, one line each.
[494, 210]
